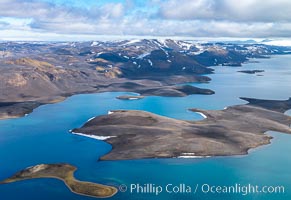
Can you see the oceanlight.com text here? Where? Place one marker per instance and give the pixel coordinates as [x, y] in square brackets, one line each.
[242, 189]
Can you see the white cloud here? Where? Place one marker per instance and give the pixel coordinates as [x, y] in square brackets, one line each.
[232, 10]
[196, 18]
[4, 25]
[112, 10]
[185, 9]
[280, 42]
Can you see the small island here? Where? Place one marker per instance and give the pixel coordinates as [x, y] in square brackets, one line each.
[233, 131]
[251, 71]
[129, 97]
[64, 172]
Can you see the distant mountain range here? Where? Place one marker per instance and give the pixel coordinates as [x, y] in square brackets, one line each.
[42, 72]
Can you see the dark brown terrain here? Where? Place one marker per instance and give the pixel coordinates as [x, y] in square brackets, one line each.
[233, 131]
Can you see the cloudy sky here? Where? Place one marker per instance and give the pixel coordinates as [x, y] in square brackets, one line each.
[90, 19]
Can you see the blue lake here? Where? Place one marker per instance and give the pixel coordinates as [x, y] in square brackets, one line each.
[43, 137]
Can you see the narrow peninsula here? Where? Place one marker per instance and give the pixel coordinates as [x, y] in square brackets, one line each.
[64, 172]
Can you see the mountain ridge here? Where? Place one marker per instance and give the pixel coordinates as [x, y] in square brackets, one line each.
[42, 72]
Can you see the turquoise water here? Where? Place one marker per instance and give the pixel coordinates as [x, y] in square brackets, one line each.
[43, 137]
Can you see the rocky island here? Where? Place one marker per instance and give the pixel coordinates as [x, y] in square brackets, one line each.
[129, 97]
[255, 71]
[65, 173]
[232, 131]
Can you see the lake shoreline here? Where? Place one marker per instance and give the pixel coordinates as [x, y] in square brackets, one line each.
[17, 109]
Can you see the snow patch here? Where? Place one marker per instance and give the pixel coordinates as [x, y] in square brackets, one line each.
[94, 136]
[157, 43]
[184, 45]
[90, 119]
[191, 155]
[150, 62]
[163, 42]
[143, 55]
[94, 44]
[201, 49]
[203, 115]
[99, 53]
[37, 168]
[110, 112]
[132, 42]
[166, 53]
